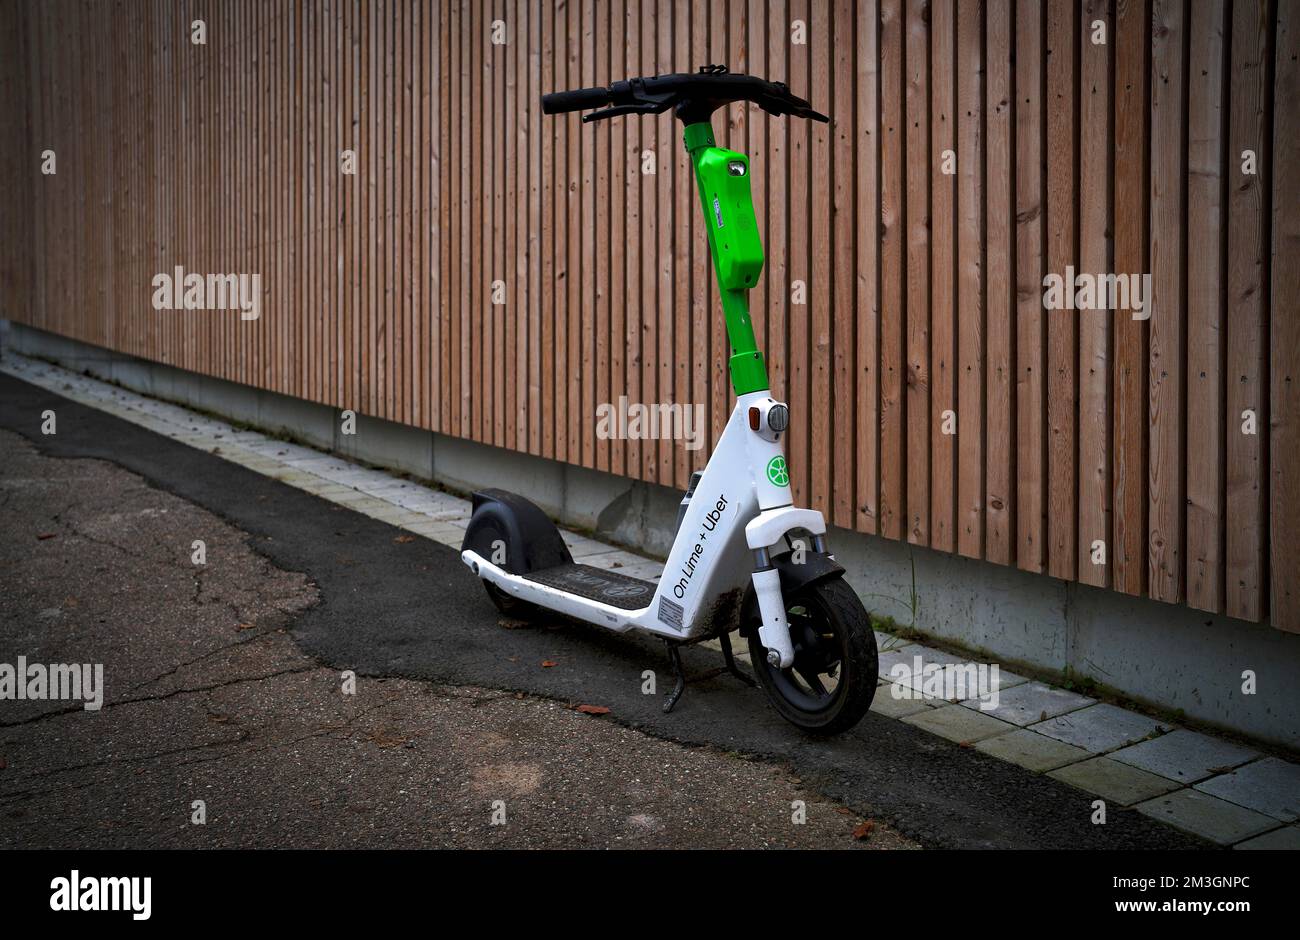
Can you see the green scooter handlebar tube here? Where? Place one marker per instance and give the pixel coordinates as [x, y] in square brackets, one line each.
[723, 178]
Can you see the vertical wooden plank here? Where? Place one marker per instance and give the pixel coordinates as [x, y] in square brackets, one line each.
[436, 41]
[547, 225]
[665, 261]
[452, 247]
[892, 271]
[1284, 325]
[633, 298]
[592, 276]
[1206, 283]
[404, 204]
[949, 158]
[650, 239]
[758, 127]
[683, 196]
[502, 120]
[479, 341]
[601, 284]
[701, 290]
[1168, 286]
[999, 189]
[578, 295]
[490, 350]
[1095, 146]
[970, 280]
[842, 315]
[620, 235]
[719, 348]
[420, 160]
[1247, 339]
[777, 270]
[531, 406]
[917, 301]
[1031, 449]
[1128, 547]
[820, 292]
[373, 162]
[1062, 326]
[867, 267]
[563, 196]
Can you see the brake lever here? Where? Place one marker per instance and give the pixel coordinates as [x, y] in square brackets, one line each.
[619, 109]
[792, 106]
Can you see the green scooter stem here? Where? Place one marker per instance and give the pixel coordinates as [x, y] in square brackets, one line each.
[723, 178]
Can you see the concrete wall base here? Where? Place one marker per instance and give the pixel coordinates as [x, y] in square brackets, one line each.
[1166, 656]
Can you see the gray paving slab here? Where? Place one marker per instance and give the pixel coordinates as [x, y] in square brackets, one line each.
[1031, 750]
[1270, 786]
[1113, 781]
[1101, 728]
[958, 724]
[1207, 816]
[1286, 839]
[1185, 756]
[899, 701]
[1029, 702]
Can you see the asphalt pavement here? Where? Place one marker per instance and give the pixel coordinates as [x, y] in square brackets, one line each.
[330, 590]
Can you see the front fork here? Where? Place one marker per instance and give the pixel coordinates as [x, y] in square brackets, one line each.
[767, 420]
[774, 632]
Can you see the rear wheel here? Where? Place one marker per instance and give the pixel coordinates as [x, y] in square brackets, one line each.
[487, 536]
[508, 605]
[833, 679]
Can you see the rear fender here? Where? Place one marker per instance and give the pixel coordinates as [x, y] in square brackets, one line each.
[532, 542]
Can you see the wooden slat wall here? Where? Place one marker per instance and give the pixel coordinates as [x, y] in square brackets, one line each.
[494, 274]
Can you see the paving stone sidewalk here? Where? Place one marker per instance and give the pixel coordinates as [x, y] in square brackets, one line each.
[1222, 791]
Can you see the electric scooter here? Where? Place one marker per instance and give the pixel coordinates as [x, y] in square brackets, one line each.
[743, 554]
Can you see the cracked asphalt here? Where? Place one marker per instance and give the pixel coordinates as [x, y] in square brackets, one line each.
[210, 699]
[435, 729]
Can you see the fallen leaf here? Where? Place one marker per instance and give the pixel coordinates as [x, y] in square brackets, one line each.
[46, 535]
[243, 626]
[403, 539]
[593, 709]
[844, 811]
[863, 831]
[548, 663]
[964, 744]
[387, 739]
[1220, 770]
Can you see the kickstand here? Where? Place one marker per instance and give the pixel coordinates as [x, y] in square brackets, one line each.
[679, 672]
[732, 668]
[675, 659]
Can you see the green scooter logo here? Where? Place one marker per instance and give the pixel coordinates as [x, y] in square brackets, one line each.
[777, 474]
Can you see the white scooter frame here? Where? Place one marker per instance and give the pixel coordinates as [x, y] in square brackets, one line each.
[741, 508]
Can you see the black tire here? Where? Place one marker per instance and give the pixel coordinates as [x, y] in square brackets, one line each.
[481, 540]
[831, 632]
[508, 605]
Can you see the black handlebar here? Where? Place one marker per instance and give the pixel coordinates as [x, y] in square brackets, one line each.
[692, 96]
[578, 100]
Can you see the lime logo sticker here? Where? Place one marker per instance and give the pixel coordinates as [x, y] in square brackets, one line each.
[776, 471]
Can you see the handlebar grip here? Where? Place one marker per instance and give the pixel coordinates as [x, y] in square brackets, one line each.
[579, 99]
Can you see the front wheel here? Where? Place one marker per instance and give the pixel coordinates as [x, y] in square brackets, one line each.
[833, 679]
